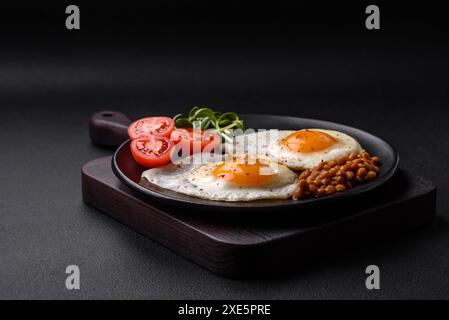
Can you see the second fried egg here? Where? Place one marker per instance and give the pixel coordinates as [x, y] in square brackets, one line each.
[306, 149]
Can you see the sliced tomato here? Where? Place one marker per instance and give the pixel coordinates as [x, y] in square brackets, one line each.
[197, 140]
[159, 126]
[151, 151]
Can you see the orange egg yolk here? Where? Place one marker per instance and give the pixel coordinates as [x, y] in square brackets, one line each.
[308, 141]
[244, 174]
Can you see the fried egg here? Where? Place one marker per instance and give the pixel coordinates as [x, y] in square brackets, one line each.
[226, 178]
[306, 149]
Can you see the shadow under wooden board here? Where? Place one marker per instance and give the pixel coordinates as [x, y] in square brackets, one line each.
[243, 245]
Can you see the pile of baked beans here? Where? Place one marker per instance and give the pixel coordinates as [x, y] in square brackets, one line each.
[338, 175]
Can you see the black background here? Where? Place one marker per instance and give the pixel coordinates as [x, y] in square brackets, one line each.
[163, 57]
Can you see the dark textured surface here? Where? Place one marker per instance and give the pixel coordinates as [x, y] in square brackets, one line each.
[45, 226]
[392, 83]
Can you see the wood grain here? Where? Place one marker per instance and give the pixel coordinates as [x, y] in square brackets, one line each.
[108, 128]
[237, 246]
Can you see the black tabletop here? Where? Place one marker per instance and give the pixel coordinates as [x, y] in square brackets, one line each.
[394, 87]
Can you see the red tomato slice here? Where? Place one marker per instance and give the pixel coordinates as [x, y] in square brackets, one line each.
[198, 140]
[151, 151]
[159, 126]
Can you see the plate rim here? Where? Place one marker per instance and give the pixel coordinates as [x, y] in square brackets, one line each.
[238, 204]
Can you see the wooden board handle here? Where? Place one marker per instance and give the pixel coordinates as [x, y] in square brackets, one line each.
[109, 128]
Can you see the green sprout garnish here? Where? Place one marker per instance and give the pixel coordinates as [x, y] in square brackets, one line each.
[205, 118]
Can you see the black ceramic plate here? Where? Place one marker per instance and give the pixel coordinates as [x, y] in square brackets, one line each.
[129, 172]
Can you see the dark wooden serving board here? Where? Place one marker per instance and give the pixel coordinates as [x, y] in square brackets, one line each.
[246, 245]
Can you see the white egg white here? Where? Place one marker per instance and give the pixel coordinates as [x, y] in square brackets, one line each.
[254, 143]
[197, 180]
[344, 146]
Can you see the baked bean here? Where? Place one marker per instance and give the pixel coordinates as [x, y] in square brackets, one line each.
[349, 175]
[324, 174]
[303, 185]
[332, 163]
[330, 189]
[304, 174]
[314, 174]
[337, 175]
[371, 175]
[340, 180]
[321, 192]
[361, 172]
